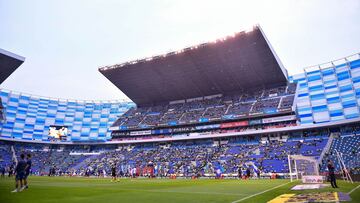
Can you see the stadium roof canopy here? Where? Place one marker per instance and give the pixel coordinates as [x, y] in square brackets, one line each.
[9, 62]
[236, 63]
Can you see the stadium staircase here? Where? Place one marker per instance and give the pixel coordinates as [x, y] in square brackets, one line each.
[13, 154]
[280, 102]
[182, 115]
[227, 109]
[286, 89]
[143, 119]
[327, 146]
[262, 93]
[252, 106]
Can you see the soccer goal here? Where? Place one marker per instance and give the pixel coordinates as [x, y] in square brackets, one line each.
[305, 168]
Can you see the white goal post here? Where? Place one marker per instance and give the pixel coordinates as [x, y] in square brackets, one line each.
[303, 166]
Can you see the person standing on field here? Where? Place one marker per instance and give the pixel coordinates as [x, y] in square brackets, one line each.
[332, 177]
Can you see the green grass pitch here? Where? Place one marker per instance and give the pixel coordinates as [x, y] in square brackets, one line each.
[70, 189]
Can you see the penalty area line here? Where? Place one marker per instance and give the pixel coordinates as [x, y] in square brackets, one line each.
[259, 193]
[353, 189]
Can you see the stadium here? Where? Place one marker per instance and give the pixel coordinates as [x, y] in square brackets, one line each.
[221, 121]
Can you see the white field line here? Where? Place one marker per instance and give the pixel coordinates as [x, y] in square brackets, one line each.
[353, 189]
[259, 193]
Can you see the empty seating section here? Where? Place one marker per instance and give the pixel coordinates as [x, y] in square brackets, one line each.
[213, 108]
[348, 146]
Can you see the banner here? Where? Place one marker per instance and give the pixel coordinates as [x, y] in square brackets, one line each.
[256, 113]
[143, 126]
[285, 109]
[123, 127]
[232, 116]
[270, 110]
[143, 132]
[171, 123]
[183, 129]
[153, 113]
[161, 131]
[201, 120]
[117, 134]
[312, 179]
[114, 128]
[234, 124]
[225, 117]
[204, 127]
[197, 134]
[279, 119]
[255, 122]
[241, 115]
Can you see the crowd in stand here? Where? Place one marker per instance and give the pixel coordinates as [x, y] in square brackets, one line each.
[263, 154]
[251, 128]
[213, 108]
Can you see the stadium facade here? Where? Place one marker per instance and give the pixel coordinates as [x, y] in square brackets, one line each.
[227, 105]
[324, 94]
[329, 92]
[29, 117]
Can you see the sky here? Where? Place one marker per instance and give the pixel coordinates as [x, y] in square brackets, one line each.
[66, 41]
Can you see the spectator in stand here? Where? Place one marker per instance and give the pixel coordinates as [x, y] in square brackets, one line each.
[268, 152]
[257, 101]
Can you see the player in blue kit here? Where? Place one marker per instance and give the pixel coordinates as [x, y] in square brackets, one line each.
[20, 174]
[27, 171]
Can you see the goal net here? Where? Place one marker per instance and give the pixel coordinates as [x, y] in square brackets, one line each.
[302, 166]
